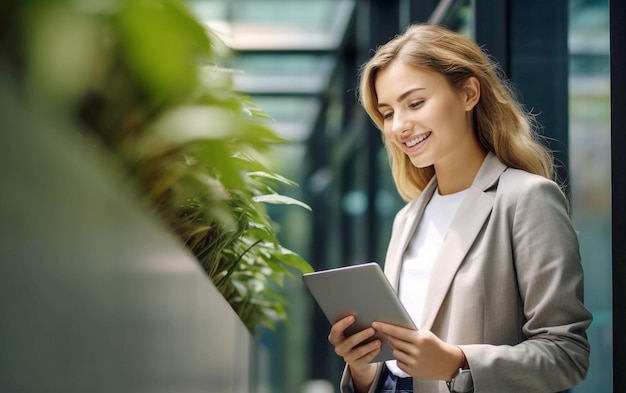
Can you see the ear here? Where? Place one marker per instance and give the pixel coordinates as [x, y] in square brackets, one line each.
[471, 92]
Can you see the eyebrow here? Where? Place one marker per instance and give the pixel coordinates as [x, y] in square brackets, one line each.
[402, 96]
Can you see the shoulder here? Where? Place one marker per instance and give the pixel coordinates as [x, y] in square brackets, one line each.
[524, 178]
[520, 185]
[495, 177]
[529, 197]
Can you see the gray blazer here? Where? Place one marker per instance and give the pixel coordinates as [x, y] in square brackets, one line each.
[507, 285]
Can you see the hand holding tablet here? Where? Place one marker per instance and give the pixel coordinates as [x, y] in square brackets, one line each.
[359, 290]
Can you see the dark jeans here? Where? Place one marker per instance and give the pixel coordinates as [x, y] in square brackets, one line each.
[389, 383]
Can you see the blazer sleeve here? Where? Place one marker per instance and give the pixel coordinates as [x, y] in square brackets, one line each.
[346, 385]
[554, 354]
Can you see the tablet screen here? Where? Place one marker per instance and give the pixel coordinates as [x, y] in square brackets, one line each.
[359, 290]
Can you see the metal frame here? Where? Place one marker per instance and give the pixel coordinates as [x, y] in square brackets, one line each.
[618, 187]
[444, 11]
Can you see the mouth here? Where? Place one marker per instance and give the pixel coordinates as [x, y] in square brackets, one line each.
[418, 139]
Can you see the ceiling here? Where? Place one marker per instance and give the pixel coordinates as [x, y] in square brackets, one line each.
[284, 52]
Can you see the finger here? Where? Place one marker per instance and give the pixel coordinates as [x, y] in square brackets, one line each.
[336, 334]
[405, 353]
[395, 331]
[346, 346]
[401, 349]
[364, 353]
[357, 338]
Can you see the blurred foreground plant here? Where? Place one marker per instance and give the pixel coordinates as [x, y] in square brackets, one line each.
[143, 79]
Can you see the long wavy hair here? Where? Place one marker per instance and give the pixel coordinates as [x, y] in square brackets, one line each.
[501, 124]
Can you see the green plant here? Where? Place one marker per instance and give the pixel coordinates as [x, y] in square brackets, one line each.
[152, 93]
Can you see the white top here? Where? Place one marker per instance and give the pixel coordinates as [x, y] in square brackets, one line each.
[420, 255]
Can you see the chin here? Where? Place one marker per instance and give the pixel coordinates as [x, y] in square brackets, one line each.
[421, 164]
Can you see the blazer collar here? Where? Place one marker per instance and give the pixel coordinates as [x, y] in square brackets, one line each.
[489, 172]
[464, 228]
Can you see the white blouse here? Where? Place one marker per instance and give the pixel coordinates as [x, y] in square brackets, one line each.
[420, 255]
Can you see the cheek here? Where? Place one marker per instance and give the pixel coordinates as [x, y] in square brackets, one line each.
[448, 117]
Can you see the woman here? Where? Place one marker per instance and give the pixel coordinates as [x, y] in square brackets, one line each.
[484, 255]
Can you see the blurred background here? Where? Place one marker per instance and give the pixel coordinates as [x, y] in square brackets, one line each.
[298, 60]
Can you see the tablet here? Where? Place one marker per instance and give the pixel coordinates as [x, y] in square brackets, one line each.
[363, 291]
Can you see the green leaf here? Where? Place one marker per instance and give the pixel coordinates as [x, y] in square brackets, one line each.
[242, 288]
[260, 232]
[294, 260]
[183, 125]
[161, 42]
[280, 199]
[273, 176]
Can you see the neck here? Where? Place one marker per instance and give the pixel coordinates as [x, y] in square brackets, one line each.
[458, 172]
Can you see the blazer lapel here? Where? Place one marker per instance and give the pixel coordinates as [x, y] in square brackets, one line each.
[464, 229]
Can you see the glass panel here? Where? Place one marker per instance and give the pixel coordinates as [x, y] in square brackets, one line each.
[456, 15]
[590, 158]
[293, 117]
[276, 25]
[262, 73]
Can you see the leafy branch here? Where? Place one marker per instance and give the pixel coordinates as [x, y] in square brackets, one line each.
[151, 92]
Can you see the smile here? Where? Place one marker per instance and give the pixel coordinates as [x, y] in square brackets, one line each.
[417, 140]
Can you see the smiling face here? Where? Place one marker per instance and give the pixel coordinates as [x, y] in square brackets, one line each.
[425, 117]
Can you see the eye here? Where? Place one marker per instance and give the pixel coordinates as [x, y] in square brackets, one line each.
[387, 115]
[416, 104]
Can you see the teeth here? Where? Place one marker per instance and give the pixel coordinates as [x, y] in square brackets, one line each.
[417, 140]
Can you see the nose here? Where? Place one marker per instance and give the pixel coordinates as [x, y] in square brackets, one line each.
[400, 124]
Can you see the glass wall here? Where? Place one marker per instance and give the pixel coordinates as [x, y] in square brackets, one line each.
[590, 175]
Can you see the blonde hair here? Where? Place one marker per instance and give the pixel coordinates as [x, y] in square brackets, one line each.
[500, 123]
